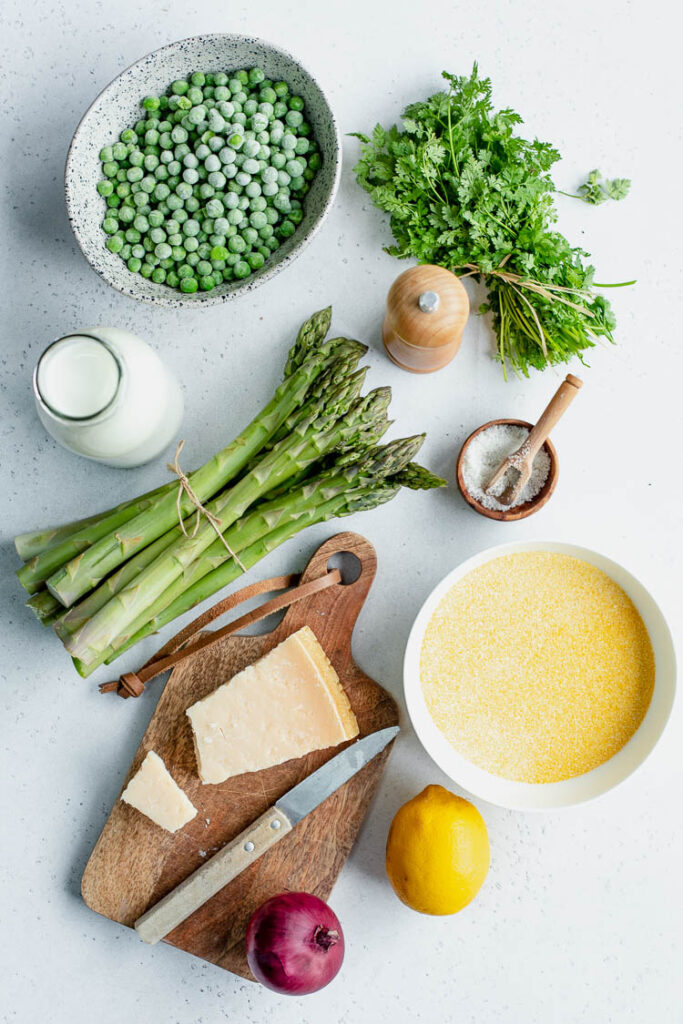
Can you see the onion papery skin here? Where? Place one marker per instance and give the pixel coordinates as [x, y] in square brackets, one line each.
[295, 944]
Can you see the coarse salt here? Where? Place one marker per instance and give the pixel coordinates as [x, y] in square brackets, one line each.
[483, 456]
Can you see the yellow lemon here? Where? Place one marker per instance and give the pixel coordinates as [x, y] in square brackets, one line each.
[437, 852]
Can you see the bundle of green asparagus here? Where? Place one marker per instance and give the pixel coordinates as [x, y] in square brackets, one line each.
[311, 454]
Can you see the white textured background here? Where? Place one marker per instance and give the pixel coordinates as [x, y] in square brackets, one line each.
[580, 919]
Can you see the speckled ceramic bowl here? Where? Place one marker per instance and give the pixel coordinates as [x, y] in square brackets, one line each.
[118, 106]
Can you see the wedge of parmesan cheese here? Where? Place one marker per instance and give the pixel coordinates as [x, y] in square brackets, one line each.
[287, 704]
[154, 791]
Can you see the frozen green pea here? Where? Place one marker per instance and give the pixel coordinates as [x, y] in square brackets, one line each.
[175, 239]
[289, 141]
[255, 260]
[152, 136]
[235, 216]
[172, 279]
[272, 215]
[110, 169]
[114, 244]
[157, 235]
[191, 227]
[216, 121]
[134, 264]
[197, 115]
[165, 140]
[188, 285]
[250, 166]
[202, 151]
[105, 188]
[180, 216]
[212, 162]
[207, 283]
[283, 179]
[221, 93]
[206, 191]
[106, 154]
[127, 214]
[215, 208]
[286, 229]
[266, 232]
[204, 266]
[178, 253]
[217, 179]
[110, 225]
[190, 176]
[133, 236]
[258, 220]
[219, 253]
[151, 162]
[252, 190]
[195, 95]
[278, 160]
[241, 269]
[184, 271]
[191, 244]
[129, 135]
[192, 204]
[216, 143]
[141, 224]
[162, 250]
[237, 244]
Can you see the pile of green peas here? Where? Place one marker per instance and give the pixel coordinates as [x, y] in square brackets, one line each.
[210, 181]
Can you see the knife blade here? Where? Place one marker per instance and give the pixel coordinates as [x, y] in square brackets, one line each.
[258, 837]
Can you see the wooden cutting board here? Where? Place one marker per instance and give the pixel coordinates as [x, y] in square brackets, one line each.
[135, 863]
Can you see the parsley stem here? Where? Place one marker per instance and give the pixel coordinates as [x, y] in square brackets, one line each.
[617, 284]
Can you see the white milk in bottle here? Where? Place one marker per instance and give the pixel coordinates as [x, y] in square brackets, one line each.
[105, 394]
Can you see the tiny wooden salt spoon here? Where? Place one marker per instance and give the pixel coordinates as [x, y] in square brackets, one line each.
[519, 463]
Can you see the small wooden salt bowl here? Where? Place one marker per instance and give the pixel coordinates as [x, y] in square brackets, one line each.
[528, 508]
[427, 309]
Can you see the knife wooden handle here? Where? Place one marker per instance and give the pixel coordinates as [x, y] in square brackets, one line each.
[210, 878]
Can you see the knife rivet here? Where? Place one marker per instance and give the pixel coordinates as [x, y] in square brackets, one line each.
[276, 823]
[249, 847]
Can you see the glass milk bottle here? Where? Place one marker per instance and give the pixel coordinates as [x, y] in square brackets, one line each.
[105, 394]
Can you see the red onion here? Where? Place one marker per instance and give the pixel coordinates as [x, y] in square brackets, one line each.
[295, 944]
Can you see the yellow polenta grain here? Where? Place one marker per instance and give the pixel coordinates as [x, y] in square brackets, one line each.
[537, 667]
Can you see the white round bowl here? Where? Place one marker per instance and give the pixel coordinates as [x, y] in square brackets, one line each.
[526, 796]
[118, 106]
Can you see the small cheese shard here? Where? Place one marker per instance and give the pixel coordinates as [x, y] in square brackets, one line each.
[154, 791]
[284, 706]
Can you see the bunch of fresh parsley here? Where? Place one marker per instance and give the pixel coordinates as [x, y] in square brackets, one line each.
[465, 192]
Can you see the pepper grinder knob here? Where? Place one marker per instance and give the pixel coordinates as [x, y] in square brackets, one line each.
[429, 302]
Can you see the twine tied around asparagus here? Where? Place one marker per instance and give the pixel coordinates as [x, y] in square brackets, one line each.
[185, 487]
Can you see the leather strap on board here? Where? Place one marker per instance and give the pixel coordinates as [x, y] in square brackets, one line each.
[132, 684]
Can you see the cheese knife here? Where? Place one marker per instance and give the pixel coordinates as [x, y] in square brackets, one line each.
[258, 837]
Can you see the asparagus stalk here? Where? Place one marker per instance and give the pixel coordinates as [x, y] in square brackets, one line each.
[33, 574]
[44, 606]
[329, 494]
[335, 425]
[29, 545]
[79, 576]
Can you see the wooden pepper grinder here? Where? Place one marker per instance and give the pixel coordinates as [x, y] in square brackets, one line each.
[427, 309]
